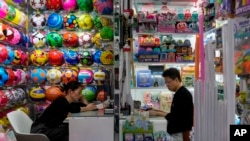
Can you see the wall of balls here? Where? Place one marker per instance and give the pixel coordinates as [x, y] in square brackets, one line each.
[70, 40]
[13, 58]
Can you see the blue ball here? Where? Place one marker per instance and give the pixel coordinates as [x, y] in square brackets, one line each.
[55, 21]
[71, 57]
[97, 56]
[3, 76]
[11, 56]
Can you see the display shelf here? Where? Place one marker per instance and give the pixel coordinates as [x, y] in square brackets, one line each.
[162, 63]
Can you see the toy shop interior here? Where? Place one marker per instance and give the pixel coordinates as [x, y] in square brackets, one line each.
[118, 49]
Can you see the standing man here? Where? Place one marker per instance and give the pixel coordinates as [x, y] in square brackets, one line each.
[180, 118]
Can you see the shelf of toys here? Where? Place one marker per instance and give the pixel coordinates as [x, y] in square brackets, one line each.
[13, 58]
[69, 40]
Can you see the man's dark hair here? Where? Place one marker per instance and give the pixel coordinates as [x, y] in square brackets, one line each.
[172, 73]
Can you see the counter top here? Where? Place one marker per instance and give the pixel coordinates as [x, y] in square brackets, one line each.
[91, 114]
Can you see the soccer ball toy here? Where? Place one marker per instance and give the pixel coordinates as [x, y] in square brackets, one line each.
[70, 39]
[69, 75]
[38, 75]
[54, 76]
[85, 22]
[39, 57]
[54, 40]
[55, 57]
[85, 5]
[38, 39]
[85, 39]
[53, 4]
[104, 7]
[107, 33]
[97, 39]
[87, 58]
[70, 22]
[38, 4]
[38, 21]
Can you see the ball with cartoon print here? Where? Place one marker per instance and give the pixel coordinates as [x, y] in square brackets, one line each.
[38, 75]
[70, 39]
[54, 40]
[18, 55]
[17, 37]
[70, 21]
[38, 39]
[23, 76]
[37, 4]
[39, 57]
[38, 21]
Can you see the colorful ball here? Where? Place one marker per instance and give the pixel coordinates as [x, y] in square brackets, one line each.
[70, 22]
[37, 94]
[3, 9]
[23, 76]
[3, 53]
[38, 4]
[11, 56]
[38, 21]
[3, 99]
[38, 75]
[87, 58]
[17, 37]
[97, 56]
[69, 75]
[69, 5]
[39, 57]
[107, 57]
[97, 39]
[55, 21]
[11, 102]
[85, 5]
[18, 55]
[53, 4]
[8, 32]
[38, 39]
[55, 57]
[85, 39]
[11, 13]
[89, 93]
[54, 76]
[99, 76]
[11, 77]
[70, 39]
[17, 77]
[104, 7]
[85, 76]
[85, 22]
[24, 58]
[53, 92]
[54, 40]
[97, 22]
[71, 57]
[17, 17]
[3, 76]
[23, 20]
[107, 33]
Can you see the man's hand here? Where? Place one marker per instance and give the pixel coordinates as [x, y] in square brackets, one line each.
[91, 107]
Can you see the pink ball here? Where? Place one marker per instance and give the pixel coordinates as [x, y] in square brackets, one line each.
[104, 6]
[3, 9]
[18, 76]
[24, 59]
[69, 4]
[16, 38]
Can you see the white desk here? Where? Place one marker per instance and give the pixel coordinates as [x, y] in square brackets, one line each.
[89, 126]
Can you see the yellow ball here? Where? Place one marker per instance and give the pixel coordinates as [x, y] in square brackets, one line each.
[105, 21]
[39, 57]
[85, 22]
[18, 17]
[97, 39]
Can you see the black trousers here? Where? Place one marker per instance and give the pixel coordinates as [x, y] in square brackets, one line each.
[60, 133]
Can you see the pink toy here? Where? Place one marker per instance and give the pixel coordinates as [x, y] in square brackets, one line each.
[69, 4]
[16, 38]
[22, 76]
[17, 76]
[24, 59]
[3, 9]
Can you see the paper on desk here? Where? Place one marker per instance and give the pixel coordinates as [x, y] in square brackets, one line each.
[100, 106]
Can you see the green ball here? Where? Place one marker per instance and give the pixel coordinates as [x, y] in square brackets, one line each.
[97, 22]
[107, 33]
[54, 40]
[85, 5]
[89, 93]
[11, 13]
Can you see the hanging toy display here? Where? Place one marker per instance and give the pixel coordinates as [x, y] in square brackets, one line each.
[85, 39]
[39, 57]
[38, 75]
[38, 21]
[69, 5]
[86, 58]
[38, 39]
[38, 4]
[70, 39]
[85, 76]
[53, 92]
[85, 22]
[69, 75]
[70, 21]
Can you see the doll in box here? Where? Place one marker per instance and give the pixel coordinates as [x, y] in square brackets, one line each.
[171, 56]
